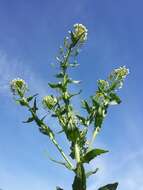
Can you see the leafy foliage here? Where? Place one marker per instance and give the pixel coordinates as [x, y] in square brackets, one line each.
[92, 154]
[109, 187]
[73, 125]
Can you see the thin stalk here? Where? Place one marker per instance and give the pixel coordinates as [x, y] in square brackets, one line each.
[62, 153]
[95, 133]
[52, 138]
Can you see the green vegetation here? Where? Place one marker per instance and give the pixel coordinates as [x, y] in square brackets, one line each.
[73, 125]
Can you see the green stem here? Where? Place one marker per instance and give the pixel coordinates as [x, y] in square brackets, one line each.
[80, 178]
[62, 153]
[51, 136]
[66, 60]
[95, 133]
[77, 153]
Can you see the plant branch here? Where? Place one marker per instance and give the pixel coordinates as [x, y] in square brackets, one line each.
[46, 130]
[95, 133]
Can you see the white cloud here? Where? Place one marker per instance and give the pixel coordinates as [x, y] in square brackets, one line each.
[127, 170]
[11, 68]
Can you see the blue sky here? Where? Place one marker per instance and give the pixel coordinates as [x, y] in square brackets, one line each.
[30, 34]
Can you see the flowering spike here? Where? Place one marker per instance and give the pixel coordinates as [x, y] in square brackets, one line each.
[49, 102]
[80, 32]
[18, 87]
[116, 78]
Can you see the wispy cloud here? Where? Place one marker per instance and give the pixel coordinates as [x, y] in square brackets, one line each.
[127, 171]
[11, 68]
[124, 166]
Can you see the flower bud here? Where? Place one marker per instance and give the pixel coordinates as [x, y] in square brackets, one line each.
[100, 99]
[80, 32]
[117, 77]
[49, 102]
[18, 87]
[103, 85]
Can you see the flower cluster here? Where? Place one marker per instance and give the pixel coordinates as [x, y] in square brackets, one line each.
[103, 85]
[100, 99]
[49, 102]
[106, 88]
[80, 32]
[117, 77]
[18, 86]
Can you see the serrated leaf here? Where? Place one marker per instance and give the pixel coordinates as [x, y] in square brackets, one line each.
[92, 154]
[109, 187]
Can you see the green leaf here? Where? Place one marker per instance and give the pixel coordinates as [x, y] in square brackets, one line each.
[99, 119]
[109, 187]
[61, 131]
[114, 99]
[82, 120]
[22, 102]
[75, 94]
[35, 108]
[58, 162]
[31, 97]
[55, 85]
[73, 37]
[88, 174]
[86, 106]
[60, 75]
[92, 154]
[42, 119]
[29, 120]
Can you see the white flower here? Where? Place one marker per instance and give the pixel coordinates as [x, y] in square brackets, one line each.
[18, 86]
[80, 31]
[117, 77]
[49, 102]
[100, 99]
[103, 85]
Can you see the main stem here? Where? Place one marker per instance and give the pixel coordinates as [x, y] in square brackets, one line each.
[79, 182]
[80, 177]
